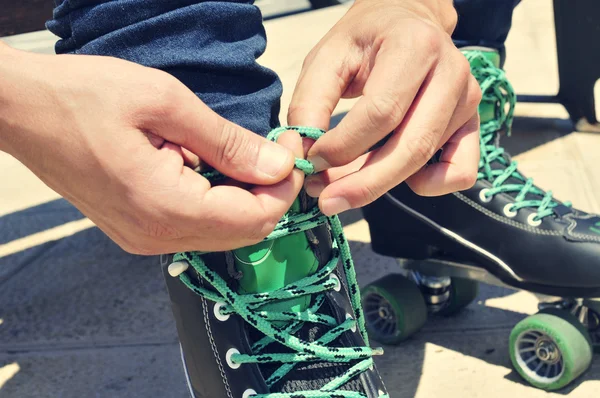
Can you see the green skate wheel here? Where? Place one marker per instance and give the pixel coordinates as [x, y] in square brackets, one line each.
[550, 349]
[394, 309]
[462, 293]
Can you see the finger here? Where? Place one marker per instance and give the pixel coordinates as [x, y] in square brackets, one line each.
[231, 149]
[466, 107]
[319, 88]
[457, 167]
[406, 151]
[278, 199]
[316, 183]
[230, 216]
[388, 93]
[190, 159]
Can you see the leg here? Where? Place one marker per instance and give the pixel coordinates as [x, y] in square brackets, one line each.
[483, 23]
[211, 47]
[251, 321]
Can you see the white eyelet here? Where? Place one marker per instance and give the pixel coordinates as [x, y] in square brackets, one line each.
[338, 284]
[532, 222]
[508, 212]
[353, 328]
[217, 311]
[249, 393]
[177, 268]
[483, 197]
[228, 358]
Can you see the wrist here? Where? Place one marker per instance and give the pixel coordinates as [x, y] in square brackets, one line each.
[441, 12]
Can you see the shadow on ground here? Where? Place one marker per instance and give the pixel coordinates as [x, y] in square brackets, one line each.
[79, 317]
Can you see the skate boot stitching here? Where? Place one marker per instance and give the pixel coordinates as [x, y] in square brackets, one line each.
[496, 88]
[248, 305]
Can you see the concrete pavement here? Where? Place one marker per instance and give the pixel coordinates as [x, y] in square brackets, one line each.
[80, 318]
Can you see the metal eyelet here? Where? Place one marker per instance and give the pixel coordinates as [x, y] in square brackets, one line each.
[508, 212]
[177, 268]
[532, 221]
[483, 197]
[217, 311]
[338, 284]
[249, 393]
[353, 328]
[228, 355]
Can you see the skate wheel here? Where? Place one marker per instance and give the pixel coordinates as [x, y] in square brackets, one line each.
[462, 293]
[394, 309]
[550, 349]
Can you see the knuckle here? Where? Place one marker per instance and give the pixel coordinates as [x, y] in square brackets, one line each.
[310, 57]
[263, 227]
[421, 150]
[382, 111]
[431, 39]
[164, 87]
[235, 147]
[137, 247]
[463, 68]
[466, 178]
[368, 193]
[416, 185]
[451, 19]
[163, 93]
[296, 108]
[159, 230]
[474, 96]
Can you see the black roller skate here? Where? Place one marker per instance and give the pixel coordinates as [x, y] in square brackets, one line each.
[503, 231]
[280, 319]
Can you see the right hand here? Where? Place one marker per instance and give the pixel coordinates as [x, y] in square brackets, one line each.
[120, 142]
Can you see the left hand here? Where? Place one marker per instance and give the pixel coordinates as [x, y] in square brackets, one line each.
[414, 83]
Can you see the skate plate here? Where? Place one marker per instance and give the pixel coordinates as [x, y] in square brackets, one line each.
[446, 268]
[442, 268]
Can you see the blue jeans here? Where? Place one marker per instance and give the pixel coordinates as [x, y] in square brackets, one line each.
[212, 46]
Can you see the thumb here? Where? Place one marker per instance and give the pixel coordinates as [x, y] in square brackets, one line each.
[229, 148]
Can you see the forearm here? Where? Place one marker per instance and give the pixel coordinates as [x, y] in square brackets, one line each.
[10, 128]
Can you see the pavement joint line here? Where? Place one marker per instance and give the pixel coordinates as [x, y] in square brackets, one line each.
[39, 238]
[469, 330]
[24, 349]
[50, 347]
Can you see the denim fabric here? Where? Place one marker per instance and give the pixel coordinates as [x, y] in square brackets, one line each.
[212, 46]
[483, 23]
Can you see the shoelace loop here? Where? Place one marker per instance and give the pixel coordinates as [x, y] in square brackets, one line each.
[248, 305]
[497, 89]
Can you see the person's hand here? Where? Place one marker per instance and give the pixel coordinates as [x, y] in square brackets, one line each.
[415, 84]
[120, 142]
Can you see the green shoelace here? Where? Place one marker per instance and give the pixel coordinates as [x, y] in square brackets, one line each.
[497, 89]
[248, 306]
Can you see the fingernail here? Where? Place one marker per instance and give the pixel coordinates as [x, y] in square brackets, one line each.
[313, 186]
[272, 158]
[319, 163]
[335, 206]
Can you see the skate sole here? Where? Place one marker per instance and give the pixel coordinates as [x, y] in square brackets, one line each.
[502, 274]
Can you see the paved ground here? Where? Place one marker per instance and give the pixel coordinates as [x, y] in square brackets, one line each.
[80, 318]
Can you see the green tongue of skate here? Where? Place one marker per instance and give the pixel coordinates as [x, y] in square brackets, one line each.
[486, 108]
[268, 266]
